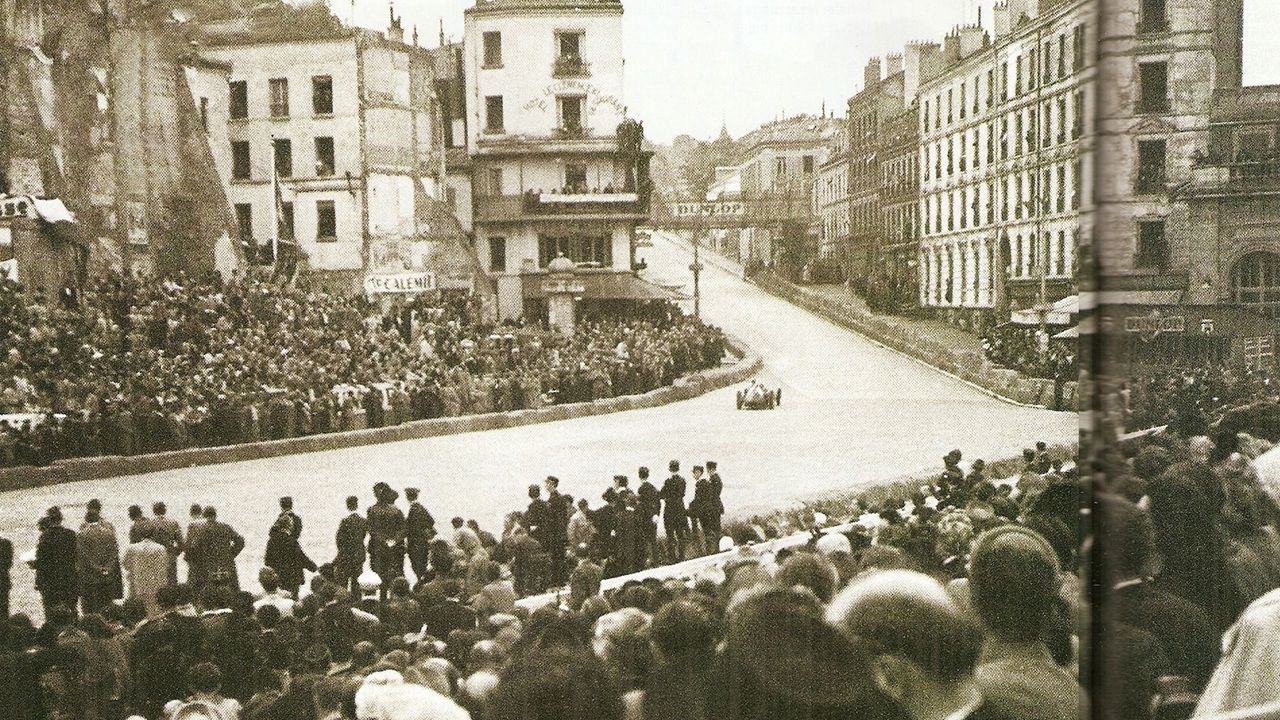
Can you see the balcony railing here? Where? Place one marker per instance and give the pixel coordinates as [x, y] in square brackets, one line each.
[571, 132]
[570, 66]
[567, 203]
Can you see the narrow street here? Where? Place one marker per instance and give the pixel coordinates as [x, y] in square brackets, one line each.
[853, 414]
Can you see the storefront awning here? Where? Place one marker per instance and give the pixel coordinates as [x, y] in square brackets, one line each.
[1060, 314]
[604, 286]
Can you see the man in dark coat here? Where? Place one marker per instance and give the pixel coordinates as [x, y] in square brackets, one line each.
[56, 563]
[97, 561]
[386, 537]
[196, 525]
[287, 514]
[648, 505]
[349, 539]
[450, 614]
[169, 534]
[535, 516]
[420, 529]
[557, 530]
[216, 549]
[286, 556]
[717, 489]
[702, 507]
[675, 518]
[626, 537]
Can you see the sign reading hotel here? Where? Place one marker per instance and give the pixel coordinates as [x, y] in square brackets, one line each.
[729, 209]
[399, 283]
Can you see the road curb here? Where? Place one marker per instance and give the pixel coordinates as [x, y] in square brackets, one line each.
[685, 388]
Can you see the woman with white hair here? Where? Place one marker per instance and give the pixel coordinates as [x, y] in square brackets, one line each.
[621, 641]
[386, 696]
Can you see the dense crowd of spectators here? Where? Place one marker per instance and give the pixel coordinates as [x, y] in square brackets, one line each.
[1018, 347]
[135, 366]
[962, 600]
[1190, 399]
[1189, 568]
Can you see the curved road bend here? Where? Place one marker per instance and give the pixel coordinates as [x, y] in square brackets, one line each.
[853, 414]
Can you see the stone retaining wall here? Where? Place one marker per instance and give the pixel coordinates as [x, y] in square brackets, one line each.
[685, 388]
[967, 365]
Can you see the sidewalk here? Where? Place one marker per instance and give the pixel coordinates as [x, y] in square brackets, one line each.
[937, 330]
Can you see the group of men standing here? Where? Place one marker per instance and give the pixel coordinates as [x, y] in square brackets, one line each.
[86, 567]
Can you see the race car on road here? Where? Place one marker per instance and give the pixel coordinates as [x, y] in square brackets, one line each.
[758, 397]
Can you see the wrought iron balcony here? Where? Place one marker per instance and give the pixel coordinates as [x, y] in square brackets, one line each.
[606, 204]
[570, 66]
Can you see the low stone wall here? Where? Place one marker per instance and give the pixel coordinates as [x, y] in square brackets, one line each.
[685, 388]
[969, 366]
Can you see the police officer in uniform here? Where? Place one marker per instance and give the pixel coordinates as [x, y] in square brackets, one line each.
[420, 529]
[349, 563]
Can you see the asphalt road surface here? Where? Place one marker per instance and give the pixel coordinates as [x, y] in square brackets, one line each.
[853, 414]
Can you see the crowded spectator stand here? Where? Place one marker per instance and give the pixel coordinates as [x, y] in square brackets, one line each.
[132, 365]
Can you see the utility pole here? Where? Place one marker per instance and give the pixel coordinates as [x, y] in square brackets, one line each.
[696, 268]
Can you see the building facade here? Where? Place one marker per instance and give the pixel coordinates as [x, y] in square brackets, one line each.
[894, 274]
[1189, 201]
[780, 161]
[113, 128]
[831, 199]
[1006, 161]
[338, 154]
[556, 167]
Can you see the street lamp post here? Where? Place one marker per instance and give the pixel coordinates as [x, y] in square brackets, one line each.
[696, 268]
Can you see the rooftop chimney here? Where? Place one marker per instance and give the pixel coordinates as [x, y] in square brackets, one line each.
[871, 74]
[1017, 9]
[1000, 20]
[972, 39]
[395, 31]
[913, 68]
[892, 64]
[951, 47]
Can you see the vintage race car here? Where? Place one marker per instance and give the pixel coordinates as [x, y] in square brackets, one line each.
[758, 397]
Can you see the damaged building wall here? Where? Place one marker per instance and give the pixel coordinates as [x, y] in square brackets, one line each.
[100, 114]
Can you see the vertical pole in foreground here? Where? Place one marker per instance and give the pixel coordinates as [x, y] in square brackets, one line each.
[696, 267]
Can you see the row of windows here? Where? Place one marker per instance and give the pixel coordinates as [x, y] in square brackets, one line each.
[1043, 65]
[900, 223]
[832, 189]
[568, 50]
[598, 249]
[1056, 122]
[282, 158]
[326, 215]
[835, 225]
[943, 265]
[279, 107]
[1014, 197]
[576, 180]
[900, 173]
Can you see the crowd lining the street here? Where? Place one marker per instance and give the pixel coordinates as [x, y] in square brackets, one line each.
[959, 598]
[133, 366]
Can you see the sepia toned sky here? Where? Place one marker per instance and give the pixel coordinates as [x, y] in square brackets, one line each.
[691, 63]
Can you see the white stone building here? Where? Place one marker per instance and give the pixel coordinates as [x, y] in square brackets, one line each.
[1006, 159]
[831, 198]
[347, 125]
[550, 175]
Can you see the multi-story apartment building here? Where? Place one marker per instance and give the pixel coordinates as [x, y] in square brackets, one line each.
[1189, 261]
[780, 160]
[557, 169]
[894, 272]
[1006, 161]
[831, 199]
[879, 99]
[337, 150]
